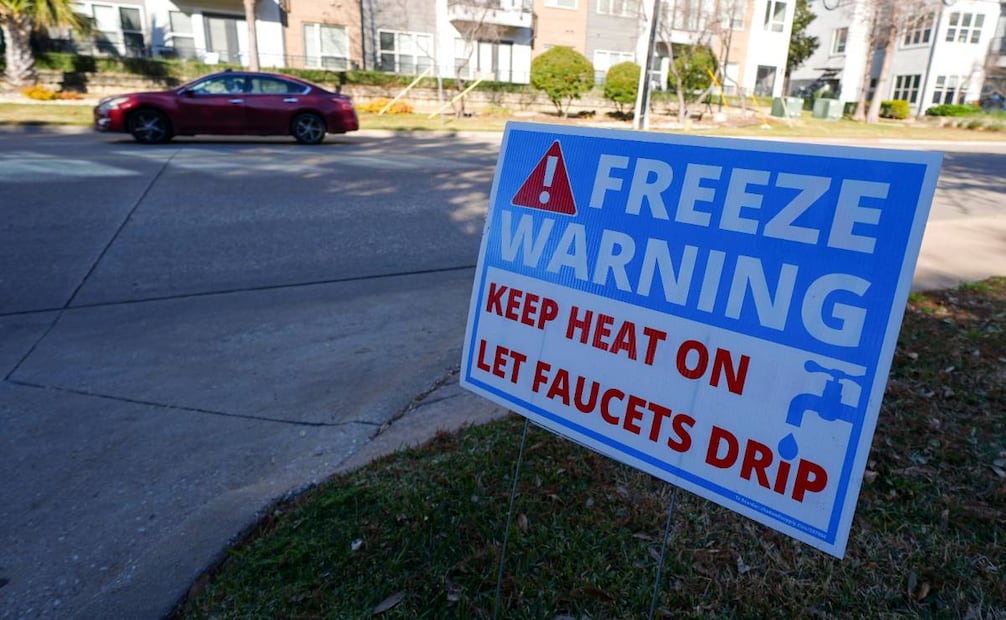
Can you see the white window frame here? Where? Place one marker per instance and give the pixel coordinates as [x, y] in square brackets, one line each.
[562, 4]
[116, 35]
[949, 89]
[606, 59]
[421, 54]
[775, 15]
[965, 27]
[839, 41]
[618, 8]
[175, 35]
[906, 87]
[733, 14]
[318, 61]
[918, 30]
[686, 15]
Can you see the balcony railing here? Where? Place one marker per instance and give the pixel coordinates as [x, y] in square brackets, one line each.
[509, 13]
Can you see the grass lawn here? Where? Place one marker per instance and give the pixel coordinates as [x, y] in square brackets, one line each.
[767, 127]
[45, 114]
[418, 533]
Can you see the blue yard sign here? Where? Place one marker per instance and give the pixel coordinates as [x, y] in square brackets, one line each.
[719, 313]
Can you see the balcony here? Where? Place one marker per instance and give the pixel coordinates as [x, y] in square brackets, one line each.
[507, 13]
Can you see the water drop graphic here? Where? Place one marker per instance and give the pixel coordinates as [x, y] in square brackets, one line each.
[788, 448]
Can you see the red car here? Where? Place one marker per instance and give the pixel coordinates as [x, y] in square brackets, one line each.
[233, 103]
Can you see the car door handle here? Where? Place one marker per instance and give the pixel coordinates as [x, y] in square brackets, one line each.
[290, 100]
[236, 101]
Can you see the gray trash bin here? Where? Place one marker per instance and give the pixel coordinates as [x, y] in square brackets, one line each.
[787, 107]
[830, 109]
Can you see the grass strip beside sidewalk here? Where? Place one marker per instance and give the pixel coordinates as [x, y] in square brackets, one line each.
[418, 533]
[76, 114]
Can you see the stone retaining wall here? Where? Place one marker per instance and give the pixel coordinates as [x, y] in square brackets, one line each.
[423, 100]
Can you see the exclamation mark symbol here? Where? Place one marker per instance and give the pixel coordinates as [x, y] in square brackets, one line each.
[550, 164]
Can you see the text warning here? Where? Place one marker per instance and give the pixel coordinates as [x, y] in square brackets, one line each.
[718, 313]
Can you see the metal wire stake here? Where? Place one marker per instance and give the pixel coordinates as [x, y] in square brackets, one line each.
[509, 517]
[663, 553]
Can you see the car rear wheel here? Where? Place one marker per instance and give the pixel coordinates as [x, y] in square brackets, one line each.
[308, 128]
[150, 126]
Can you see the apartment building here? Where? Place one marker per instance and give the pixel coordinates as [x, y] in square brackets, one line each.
[489, 39]
[942, 53]
[750, 38]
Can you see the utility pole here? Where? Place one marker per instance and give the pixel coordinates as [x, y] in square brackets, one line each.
[641, 115]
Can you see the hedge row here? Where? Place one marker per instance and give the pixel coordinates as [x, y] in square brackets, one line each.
[185, 70]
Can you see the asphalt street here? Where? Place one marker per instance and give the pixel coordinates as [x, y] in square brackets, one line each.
[190, 331]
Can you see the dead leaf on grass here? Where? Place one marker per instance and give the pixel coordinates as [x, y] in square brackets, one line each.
[453, 591]
[522, 522]
[741, 566]
[389, 602]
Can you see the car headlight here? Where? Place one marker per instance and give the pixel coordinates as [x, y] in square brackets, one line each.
[112, 102]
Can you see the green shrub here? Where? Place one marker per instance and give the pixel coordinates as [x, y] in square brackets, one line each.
[693, 63]
[896, 109]
[563, 74]
[621, 84]
[953, 109]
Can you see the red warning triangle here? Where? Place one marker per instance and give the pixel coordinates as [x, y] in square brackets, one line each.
[547, 188]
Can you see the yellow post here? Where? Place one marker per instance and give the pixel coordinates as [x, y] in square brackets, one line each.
[451, 102]
[388, 105]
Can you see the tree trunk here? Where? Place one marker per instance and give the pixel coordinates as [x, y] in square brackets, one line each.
[891, 36]
[252, 35]
[20, 69]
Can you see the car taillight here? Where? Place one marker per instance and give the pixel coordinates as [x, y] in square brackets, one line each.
[344, 104]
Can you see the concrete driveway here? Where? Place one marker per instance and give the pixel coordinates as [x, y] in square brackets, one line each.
[188, 332]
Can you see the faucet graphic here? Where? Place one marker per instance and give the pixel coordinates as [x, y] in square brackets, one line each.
[829, 404]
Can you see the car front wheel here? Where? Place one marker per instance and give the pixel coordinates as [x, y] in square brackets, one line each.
[308, 128]
[150, 126]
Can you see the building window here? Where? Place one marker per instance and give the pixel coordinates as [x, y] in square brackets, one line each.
[117, 30]
[733, 14]
[621, 8]
[731, 75]
[487, 59]
[181, 38]
[406, 52]
[948, 89]
[838, 40]
[906, 87]
[326, 47]
[775, 16]
[918, 30]
[687, 15]
[965, 27]
[765, 81]
[561, 4]
[605, 59]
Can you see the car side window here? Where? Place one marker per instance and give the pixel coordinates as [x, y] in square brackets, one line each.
[275, 86]
[221, 85]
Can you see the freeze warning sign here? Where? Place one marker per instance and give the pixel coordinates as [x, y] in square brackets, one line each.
[719, 313]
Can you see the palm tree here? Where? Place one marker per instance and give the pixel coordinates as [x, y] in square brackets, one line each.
[252, 34]
[18, 19]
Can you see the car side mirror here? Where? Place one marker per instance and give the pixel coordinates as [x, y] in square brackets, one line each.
[186, 92]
